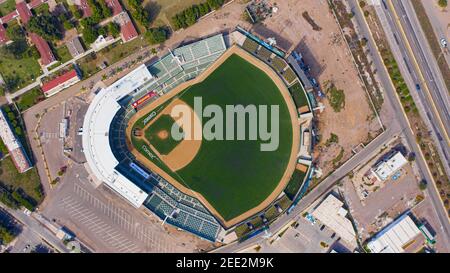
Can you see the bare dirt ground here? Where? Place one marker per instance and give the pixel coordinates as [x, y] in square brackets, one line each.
[327, 55]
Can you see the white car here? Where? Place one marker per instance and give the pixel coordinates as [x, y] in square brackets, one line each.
[443, 42]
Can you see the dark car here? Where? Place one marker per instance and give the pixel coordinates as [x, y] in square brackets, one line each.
[417, 87]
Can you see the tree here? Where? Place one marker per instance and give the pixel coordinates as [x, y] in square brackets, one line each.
[113, 29]
[45, 26]
[442, 3]
[15, 32]
[77, 13]
[90, 34]
[106, 12]
[156, 35]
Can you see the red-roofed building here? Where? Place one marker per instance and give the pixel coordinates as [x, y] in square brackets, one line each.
[128, 32]
[84, 7]
[3, 37]
[115, 6]
[24, 12]
[8, 17]
[59, 83]
[47, 57]
[36, 3]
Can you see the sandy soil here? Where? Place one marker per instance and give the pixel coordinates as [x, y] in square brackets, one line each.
[327, 55]
[187, 149]
[296, 135]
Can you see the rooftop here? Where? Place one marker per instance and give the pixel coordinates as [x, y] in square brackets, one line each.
[42, 46]
[24, 12]
[115, 6]
[394, 237]
[3, 36]
[46, 87]
[332, 214]
[75, 47]
[96, 126]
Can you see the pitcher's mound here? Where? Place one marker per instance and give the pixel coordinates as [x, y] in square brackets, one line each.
[163, 134]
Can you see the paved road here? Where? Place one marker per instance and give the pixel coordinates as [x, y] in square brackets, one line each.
[432, 11]
[35, 226]
[437, 108]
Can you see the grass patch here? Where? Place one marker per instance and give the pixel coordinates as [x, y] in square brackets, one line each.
[23, 71]
[29, 99]
[163, 123]
[7, 7]
[298, 95]
[111, 54]
[41, 9]
[28, 181]
[63, 54]
[339, 157]
[294, 184]
[336, 97]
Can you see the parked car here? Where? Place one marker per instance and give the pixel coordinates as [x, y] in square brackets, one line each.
[443, 42]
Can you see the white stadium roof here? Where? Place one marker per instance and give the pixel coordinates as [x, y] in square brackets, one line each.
[97, 150]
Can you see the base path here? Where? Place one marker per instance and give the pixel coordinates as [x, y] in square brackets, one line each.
[177, 90]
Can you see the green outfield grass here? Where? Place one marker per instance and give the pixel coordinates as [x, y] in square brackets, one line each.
[235, 176]
[164, 146]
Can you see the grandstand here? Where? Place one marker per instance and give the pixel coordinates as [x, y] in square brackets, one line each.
[105, 143]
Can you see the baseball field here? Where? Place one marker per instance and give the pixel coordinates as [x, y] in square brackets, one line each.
[233, 178]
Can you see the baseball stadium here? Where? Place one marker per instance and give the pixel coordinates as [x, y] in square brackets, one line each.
[206, 187]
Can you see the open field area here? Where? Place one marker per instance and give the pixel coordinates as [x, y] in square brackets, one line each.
[19, 71]
[7, 6]
[162, 10]
[29, 99]
[29, 181]
[236, 176]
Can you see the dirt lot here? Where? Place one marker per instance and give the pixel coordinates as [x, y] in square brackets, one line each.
[327, 55]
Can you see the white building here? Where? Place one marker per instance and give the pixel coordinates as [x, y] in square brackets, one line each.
[332, 214]
[13, 145]
[386, 168]
[395, 237]
[97, 150]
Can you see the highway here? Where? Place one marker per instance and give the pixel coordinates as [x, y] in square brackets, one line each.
[391, 95]
[415, 50]
[397, 125]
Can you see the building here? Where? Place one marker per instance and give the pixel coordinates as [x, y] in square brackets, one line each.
[47, 57]
[127, 30]
[99, 155]
[332, 214]
[395, 237]
[59, 83]
[13, 145]
[115, 6]
[3, 37]
[389, 166]
[24, 12]
[83, 6]
[75, 47]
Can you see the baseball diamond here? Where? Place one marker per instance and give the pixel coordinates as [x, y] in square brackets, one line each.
[233, 179]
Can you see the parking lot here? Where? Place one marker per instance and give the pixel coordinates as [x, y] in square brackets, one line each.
[106, 223]
[301, 237]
